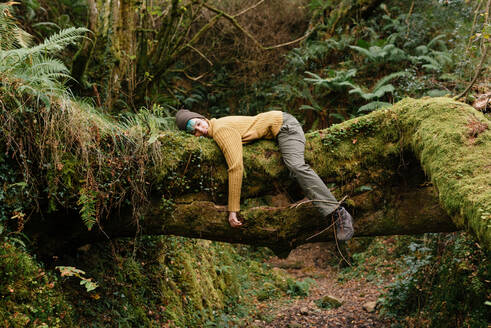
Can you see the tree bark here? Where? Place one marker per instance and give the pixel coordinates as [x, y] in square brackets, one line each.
[381, 161]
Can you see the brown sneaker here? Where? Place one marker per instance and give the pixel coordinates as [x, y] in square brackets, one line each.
[344, 224]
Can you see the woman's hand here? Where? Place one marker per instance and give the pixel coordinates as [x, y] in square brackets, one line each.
[233, 220]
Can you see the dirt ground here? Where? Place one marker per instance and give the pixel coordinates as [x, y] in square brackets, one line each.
[315, 261]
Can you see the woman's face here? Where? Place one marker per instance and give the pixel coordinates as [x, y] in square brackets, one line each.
[200, 128]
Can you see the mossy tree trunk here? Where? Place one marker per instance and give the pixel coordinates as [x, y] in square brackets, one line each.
[380, 161]
[113, 50]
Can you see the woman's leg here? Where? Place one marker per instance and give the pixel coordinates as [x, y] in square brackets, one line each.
[291, 141]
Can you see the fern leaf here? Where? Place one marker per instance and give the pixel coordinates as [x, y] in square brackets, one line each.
[58, 41]
[356, 90]
[345, 84]
[349, 73]
[314, 78]
[48, 66]
[381, 91]
[388, 78]
[367, 53]
[421, 50]
[87, 201]
[430, 67]
[437, 41]
[442, 57]
[430, 60]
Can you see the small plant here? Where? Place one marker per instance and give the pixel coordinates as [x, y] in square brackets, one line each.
[436, 61]
[88, 207]
[315, 53]
[379, 90]
[298, 288]
[435, 55]
[381, 54]
[69, 271]
[335, 81]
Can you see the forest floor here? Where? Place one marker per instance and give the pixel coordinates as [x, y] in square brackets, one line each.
[314, 263]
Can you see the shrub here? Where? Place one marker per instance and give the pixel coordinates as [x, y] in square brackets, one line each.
[446, 284]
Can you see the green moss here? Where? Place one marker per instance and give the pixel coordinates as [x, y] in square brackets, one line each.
[29, 293]
[176, 281]
[440, 132]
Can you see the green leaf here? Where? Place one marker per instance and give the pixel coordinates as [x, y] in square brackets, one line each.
[88, 284]
[389, 77]
[381, 91]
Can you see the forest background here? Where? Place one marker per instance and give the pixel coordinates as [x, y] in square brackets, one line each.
[88, 88]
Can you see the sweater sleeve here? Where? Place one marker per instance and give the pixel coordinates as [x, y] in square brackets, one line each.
[230, 142]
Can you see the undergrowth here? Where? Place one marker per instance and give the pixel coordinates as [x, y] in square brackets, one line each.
[68, 153]
[31, 295]
[445, 283]
[195, 283]
[432, 280]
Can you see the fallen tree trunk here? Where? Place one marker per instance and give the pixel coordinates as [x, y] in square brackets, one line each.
[376, 160]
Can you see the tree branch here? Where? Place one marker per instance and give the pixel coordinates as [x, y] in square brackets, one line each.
[483, 58]
[248, 34]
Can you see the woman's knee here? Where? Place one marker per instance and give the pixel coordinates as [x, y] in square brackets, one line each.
[297, 166]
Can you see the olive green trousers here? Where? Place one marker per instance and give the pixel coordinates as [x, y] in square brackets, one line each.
[291, 141]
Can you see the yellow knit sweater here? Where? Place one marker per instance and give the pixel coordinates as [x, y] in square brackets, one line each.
[230, 133]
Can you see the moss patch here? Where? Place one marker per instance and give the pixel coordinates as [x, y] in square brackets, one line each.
[175, 281]
[438, 131]
[30, 295]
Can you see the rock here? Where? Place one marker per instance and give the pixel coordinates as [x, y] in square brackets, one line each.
[370, 306]
[304, 310]
[329, 302]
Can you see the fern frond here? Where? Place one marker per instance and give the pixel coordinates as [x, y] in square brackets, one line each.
[431, 67]
[60, 40]
[345, 75]
[358, 91]
[442, 57]
[437, 41]
[344, 84]
[87, 202]
[381, 91]
[23, 38]
[314, 78]
[43, 65]
[367, 53]
[393, 37]
[421, 50]
[389, 77]
[430, 60]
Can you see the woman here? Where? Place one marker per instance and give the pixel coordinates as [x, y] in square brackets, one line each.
[231, 132]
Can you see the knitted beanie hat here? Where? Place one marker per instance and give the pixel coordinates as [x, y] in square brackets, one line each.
[183, 116]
